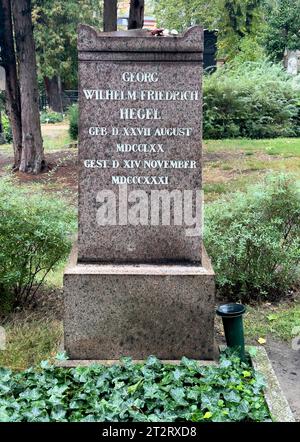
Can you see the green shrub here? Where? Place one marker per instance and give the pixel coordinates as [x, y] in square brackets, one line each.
[250, 49]
[51, 117]
[6, 128]
[252, 100]
[128, 392]
[73, 117]
[253, 239]
[34, 237]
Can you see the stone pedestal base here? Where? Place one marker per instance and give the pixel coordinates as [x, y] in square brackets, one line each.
[138, 310]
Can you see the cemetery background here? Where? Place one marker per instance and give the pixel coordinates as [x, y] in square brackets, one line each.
[230, 165]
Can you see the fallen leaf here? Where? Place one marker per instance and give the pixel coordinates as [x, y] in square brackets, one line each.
[261, 341]
[207, 415]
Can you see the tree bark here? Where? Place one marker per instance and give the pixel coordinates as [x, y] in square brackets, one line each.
[233, 18]
[54, 93]
[13, 103]
[32, 158]
[110, 15]
[136, 14]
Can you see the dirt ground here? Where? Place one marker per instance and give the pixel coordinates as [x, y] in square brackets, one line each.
[62, 174]
[286, 363]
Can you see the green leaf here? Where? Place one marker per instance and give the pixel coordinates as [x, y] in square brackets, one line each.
[152, 361]
[45, 365]
[5, 374]
[197, 416]
[132, 389]
[151, 391]
[177, 374]
[4, 416]
[58, 413]
[232, 396]
[207, 415]
[178, 394]
[31, 394]
[252, 351]
[225, 363]
[62, 356]
[4, 389]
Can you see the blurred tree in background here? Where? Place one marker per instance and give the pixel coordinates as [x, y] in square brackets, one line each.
[181, 14]
[55, 32]
[283, 27]
[240, 23]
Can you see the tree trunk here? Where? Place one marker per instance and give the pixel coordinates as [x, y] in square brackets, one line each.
[136, 14]
[110, 15]
[54, 93]
[13, 104]
[32, 158]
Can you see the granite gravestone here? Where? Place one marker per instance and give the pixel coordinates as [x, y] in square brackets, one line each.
[139, 282]
[140, 129]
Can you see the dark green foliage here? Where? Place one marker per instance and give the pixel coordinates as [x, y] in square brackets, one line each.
[181, 14]
[55, 33]
[73, 117]
[6, 128]
[51, 117]
[253, 239]
[34, 237]
[283, 19]
[251, 100]
[152, 392]
[239, 22]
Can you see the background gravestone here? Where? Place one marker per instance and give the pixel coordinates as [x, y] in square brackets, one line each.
[210, 50]
[139, 289]
[293, 62]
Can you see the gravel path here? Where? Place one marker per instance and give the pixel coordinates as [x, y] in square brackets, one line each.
[286, 363]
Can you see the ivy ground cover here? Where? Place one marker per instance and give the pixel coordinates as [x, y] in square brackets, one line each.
[149, 392]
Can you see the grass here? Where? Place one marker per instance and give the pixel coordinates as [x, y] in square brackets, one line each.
[280, 322]
[55, 277]
[215, 189]
[30, 339]
[233, 165]
[56, 136]
[6, 149]
[276, 146]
